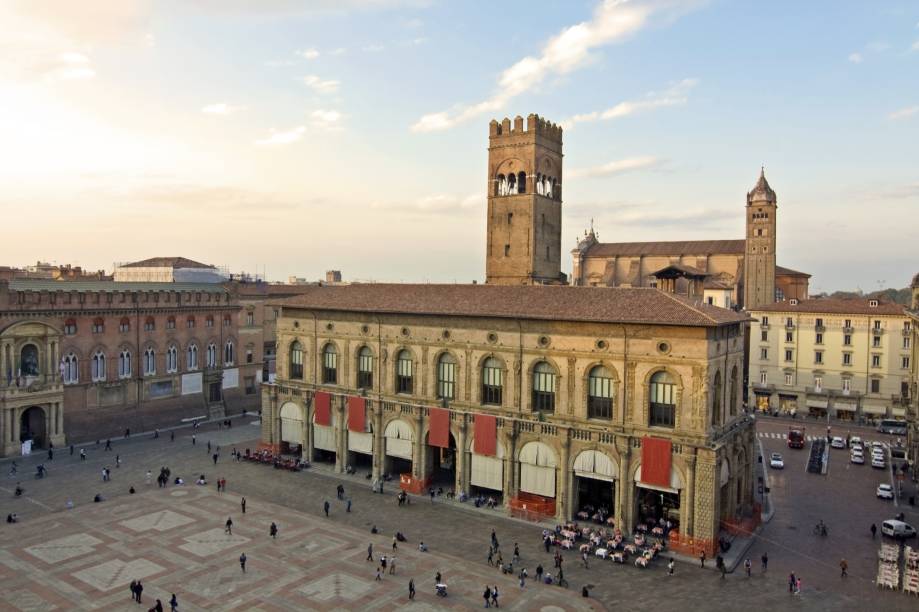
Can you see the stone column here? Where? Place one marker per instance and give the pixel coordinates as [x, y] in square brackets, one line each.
[624, 510]
[306, 450]
[341, 442]
[510, 465]
[418, 461]
[60, 419]
[462, 479]
[17, 426]
[689, 497]
[563, 506]
[379, 452]
[705, 504]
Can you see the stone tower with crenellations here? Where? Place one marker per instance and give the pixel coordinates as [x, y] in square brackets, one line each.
[759, 258]
[524, 235]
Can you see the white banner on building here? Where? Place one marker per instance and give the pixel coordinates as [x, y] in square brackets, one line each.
[231, 378]
[191, 383]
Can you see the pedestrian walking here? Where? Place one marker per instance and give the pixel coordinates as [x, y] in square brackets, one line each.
[491, 555]
[539, 571]
[392, 565]
[487, 596]
[104, 475]
[494, 596]
[431, 491]
[584, 559]
[325, 507]
[50, 454]
[173, 604]
[437, 578]
[172, 436]
[874, 530]
[148, 477]
[108, 445]
[156, 434]
[273, 531]
[748, 566]
[158, 607]
[139, 589]
[370, 552]
[558, 559]
[82, 454]
[395, 543]
[411, 589]
[702, 559]
[117, 461]
[348, 508]
[764, 560]
[208, 446]
[242, 562]
[792, 582]
[516, 557]
[379, 577]
[494, 539]
[670, 565]
[216, 455]
[133, 590]
[194, 440]
[228, 529]
[242, 503]
[719, 563]
[71, 450]
[522, 579]
[798, 586]
[127, 433]
[844, 568]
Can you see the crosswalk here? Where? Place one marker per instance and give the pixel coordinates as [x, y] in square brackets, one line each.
[781, 436]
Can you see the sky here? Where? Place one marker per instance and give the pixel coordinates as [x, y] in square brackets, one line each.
[290, 138]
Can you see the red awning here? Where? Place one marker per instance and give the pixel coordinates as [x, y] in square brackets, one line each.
[486, 435]
[357, 417]
[439, 432]
[655, 461]
[323, 408]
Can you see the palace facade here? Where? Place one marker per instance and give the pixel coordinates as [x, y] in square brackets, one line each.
[554, 400]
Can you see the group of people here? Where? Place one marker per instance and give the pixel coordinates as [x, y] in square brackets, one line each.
[137, 590]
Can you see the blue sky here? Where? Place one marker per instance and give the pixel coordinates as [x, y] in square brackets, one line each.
[297, 137]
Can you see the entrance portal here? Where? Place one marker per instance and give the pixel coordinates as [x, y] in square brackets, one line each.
[595, 498]
[442, 462]
[32, 427]
[654, 505]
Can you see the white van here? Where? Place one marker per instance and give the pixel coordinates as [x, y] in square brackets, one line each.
[897, 529]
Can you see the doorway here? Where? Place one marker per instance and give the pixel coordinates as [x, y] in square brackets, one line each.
[32, 427]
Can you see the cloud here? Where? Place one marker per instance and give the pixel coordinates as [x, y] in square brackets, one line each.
[612, 21]
[373, 48]
[903, 113]
[279, 63]
[855, 58]
[621, 166]
[221, 108]
[338, 51]
[326, 119]
[312, 7]
[414, 23]
[440, 203]
[309, 54]
[319, 85]
[283, 138]
[675, 95]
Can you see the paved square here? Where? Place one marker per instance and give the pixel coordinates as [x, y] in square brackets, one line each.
[211, 542]
[64, 548]
[117, 573]
[160, 521]
[337, 586]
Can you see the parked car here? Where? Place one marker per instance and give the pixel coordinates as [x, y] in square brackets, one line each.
[885, 491]
[838, 442]
[878, 462]
[855, 441]
[897, 529]
[857, 458]
[877, 444]
[776, 462]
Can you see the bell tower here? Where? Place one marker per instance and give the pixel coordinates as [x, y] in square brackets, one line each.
[759, 257]
[524, 238]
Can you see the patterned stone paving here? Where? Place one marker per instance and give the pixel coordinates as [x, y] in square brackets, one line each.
[64, 548]
[161, 521]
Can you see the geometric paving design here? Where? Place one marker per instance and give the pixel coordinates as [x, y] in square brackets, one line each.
[26, 601]
[117, 573]
[64, 548]
[163, 520]
[337, 585]
[212, 541]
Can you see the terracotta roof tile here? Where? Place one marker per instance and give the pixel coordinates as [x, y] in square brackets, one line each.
[857, 306]
[562, 303]
[166, 262]
[681, 247]
[783, 271]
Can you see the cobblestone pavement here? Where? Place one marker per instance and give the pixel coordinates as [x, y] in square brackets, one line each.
[174, 538]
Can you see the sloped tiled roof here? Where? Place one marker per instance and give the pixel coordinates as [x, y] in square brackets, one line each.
[28, 284]
[783, 271]
[166, 262]
[664, 249]
[560, 303]
[857, 306]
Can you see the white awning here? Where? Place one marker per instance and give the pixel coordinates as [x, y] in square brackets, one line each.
[844, 406]
[676, 482]
[399, 437]
[538, 454]
[874, 409]
[596, 465]
[324, 438]
[487, 472]
[360, 442]
[291, 423]
[816, 403]
[537, 480]
[898, 411]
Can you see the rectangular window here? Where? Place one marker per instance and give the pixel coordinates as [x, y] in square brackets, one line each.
[404, 376]
[764, 336]
[544, 391]
[818, 356]
[507, 250]
[600, 398]
[876, 342]
[789, 336]
[906, 342]
[789, 322]
[492, 385]
[365, 371]
[905, 363]
[663, 404]
[446, 380]
[788, 378]
[763, 378]
[875, 385]
[250, 318]
[789, 355]
[764, 353]
[875, 361]
[847, 340]
[149, 326]
[98, 328]
[765, 320]
[250, 385]
[249, 356]
[848, 324]
[190, 323]
[330, 368]
[818, 382]
[877, 325]
[847, 359]
[818, 323]
[846, 384]
[819, 338]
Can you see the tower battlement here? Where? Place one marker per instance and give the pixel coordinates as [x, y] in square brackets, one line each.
[535, 126]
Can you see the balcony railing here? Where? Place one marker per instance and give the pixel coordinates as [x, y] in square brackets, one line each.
[907, 332]
[877, 331]
[816, 390]
[789, 325]
[848, 330]
[820, 328]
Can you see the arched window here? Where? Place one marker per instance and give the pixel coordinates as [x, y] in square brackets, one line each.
[365, 368]
[329, 365]
[521, 182]
[172, 359]
[540, 189]
[227, 320]
[191, 357]
[171, 323]
[28, 360]
[124, 364]
[209, 321]
[70, 327]
[446, 376]
[500, 185]
[228, 353]
[404, 371]
[492, 382]
[511, 184]
[544, 379]
[149, 362]
[716, 399]
[662, 400]
[190, 322]
[733, 389]
[211, 356]
[98, 366]
[149, 324]
[296, 360]
[599, 393]
[98, 326]
[124, 325]
[70, 370]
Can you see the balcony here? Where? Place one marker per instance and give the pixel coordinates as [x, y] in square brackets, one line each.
[907, 332]
[789, 326]
[764, 324]
[848, 330]
[877, 331]
[816, 390]
[820, 328]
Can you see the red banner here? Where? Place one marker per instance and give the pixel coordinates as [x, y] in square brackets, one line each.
[655, 462]
[323, 403]
[486, 435]
[357, 417]
[439, 431]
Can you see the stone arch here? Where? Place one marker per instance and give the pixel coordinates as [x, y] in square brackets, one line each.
[584, 380]
[677, 473]
[646, 391]
[560, 381]
[595, 463]
[538, 465]
[33, 425]
[292, 416]
[434, 373]
[399, 438]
